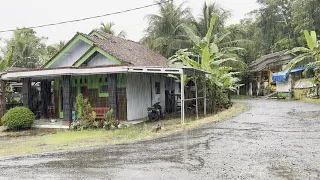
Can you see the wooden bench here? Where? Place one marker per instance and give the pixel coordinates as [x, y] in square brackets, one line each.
[100, 111]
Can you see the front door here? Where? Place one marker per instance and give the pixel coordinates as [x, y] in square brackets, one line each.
[84, 91]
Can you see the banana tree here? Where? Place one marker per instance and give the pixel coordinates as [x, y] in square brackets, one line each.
[206, 55]
[311, 52]
[6, 62]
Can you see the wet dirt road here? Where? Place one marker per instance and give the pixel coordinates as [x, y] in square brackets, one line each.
[273, 140]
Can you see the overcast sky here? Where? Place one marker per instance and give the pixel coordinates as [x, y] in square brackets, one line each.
[22, 13]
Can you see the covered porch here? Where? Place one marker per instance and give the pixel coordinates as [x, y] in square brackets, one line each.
[53, 104]
[59, 87]
[182, 99]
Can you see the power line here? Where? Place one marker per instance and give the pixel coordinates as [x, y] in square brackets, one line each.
[88, 18]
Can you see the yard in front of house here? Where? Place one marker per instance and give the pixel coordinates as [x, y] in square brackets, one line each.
[274, 139]
[39, 140]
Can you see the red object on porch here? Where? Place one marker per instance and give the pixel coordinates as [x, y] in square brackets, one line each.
[100, 111]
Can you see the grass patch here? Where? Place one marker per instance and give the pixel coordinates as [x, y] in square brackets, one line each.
[64, 140]
[310, 100]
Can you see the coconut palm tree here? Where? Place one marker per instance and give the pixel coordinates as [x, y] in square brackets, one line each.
[207, 50]
[108, 28]
[206, 55]
[208, 10]
[164, 33]
[60, 45]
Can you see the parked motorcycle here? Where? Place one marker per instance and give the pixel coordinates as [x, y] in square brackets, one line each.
[155, 112]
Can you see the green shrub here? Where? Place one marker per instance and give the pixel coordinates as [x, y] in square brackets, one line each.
[87, 114]
[18, 118]
[110, 121]
[78, 105]
[109, 115]
[86, 117]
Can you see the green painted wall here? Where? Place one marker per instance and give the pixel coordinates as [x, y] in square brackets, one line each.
[91, 81]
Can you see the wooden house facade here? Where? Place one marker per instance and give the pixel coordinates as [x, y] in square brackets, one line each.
[113, 73]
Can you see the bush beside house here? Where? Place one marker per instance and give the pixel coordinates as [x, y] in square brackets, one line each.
[86, 117]
[18, 118]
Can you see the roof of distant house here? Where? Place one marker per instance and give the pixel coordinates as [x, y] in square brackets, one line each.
[269, 59]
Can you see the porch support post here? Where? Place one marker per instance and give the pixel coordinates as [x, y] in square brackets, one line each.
[205, 97]
[258, 82]
[112, 86]
[182, 97]
[67, 99]
[45, 97]
[197, 109]
[26, 92]
[3, 98]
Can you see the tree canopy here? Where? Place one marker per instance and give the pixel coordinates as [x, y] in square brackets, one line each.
[27, 48]
[277, 25]
[108, 28]
[164, 33]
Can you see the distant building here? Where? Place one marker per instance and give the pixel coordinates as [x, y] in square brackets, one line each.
[262, 70]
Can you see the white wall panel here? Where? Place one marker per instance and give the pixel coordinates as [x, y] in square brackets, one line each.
[284, 86]
[138, 95]
[100, 60]
[158, 97]
[72, 55]
[141, 94]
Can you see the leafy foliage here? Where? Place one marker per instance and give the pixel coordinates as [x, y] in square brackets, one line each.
[51, 50]
[277, 25]
[312, 52]
[7, 62]
[78, 105]
[110, 121]
[208, 56]
[208, 10]
[18, 118]
[86, 116]
[28, 49]
[87, 113]
[108, 28]
[164, 33]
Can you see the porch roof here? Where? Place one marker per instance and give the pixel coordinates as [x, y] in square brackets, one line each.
[39, 74]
